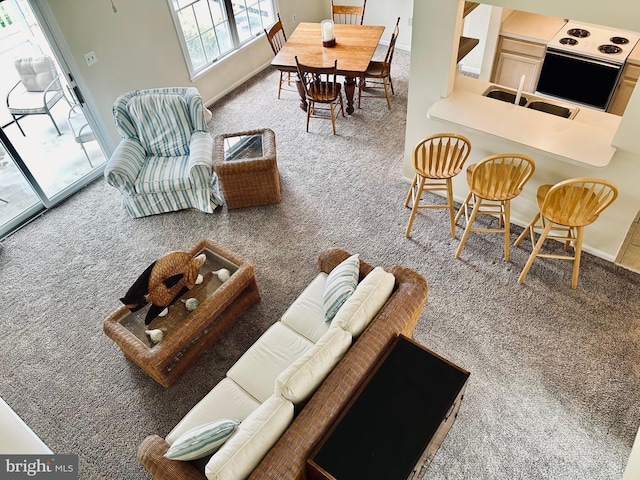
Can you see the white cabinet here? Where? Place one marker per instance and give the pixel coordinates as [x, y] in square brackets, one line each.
[516, 58]
[625, 87]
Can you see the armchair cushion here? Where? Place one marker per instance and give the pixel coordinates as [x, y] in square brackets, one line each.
[162, 123]
[163, 174]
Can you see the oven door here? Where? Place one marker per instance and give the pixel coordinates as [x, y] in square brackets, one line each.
[578, 79]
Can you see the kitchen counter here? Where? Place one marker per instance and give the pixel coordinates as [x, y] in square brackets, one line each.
[634, 56]
[531, 27]
[584, 140]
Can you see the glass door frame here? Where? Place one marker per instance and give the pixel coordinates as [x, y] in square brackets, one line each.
[73, 78]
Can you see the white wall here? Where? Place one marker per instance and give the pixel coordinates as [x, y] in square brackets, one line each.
[138, 47]
[437, 24]
[386, 12]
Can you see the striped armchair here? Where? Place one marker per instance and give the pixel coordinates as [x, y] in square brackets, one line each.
[164, 161]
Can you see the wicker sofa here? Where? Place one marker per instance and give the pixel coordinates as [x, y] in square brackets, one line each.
[287, 457]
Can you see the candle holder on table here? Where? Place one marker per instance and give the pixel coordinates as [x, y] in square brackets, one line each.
[328, 36]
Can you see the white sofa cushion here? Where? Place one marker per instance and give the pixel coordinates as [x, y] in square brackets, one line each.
[306, 313]
[303, 376]
[369, 297]
[226, 400]
[257, 369]
[254, 437]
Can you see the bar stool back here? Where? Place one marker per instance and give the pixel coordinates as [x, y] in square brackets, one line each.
[493, 182]
[564, 210]
[436, 160]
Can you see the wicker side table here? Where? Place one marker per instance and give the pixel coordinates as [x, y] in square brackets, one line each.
[246, 166]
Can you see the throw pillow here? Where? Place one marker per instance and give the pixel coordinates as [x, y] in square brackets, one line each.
[341, 283]
[202, 440]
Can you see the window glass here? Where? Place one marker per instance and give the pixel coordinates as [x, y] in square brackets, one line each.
[210, 29]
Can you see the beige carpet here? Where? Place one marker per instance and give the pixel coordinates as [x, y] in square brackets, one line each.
[555, 374]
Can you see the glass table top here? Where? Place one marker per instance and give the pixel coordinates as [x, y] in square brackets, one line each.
[243, 147]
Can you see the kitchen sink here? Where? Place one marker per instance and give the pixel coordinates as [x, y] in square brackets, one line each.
[506, 96]
[550, 108]
[531, 101]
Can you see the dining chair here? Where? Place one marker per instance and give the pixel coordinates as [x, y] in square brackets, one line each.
[564, 210]
[436, 160]
[348, 14]
[277, 38]
[493, 182]
[321, 88]
[378, 73]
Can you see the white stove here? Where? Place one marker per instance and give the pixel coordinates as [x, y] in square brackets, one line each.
[594, 41]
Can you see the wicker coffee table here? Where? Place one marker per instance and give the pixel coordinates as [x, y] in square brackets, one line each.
[246, 166]
[188, 334]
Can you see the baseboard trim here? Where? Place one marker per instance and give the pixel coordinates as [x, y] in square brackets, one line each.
[236, 84]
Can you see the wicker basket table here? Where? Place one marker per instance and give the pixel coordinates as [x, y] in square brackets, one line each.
[188, 334]
[246, 166]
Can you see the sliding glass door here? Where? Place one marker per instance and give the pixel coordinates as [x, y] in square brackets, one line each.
[48, 149]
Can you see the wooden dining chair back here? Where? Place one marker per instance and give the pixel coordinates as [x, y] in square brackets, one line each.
[564, 210]
[378, 73]
[322, 91]
[348, 14]
[436, 160]
[277, 38]
[493, 183]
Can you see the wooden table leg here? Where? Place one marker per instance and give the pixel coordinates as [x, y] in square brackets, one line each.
[349, 91]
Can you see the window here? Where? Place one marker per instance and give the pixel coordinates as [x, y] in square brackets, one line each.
[211, 29]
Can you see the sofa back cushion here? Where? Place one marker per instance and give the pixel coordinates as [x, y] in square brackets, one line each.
[252, 440]
[306, 314]
[162, 123]
[257, 369]
[303, 376]
[365, 302]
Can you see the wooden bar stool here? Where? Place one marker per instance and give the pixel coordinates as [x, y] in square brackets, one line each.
[564, 210]
[493, 182]
[436, 160]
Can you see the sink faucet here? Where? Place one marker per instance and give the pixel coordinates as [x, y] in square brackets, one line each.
[519, 94]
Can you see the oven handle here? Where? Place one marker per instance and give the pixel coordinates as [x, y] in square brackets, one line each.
[582, 57]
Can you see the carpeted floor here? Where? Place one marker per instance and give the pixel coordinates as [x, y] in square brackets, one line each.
[555, 373]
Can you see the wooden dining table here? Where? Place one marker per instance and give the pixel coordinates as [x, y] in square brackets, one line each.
[354, 49]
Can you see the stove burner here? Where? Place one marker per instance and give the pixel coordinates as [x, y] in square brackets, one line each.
[609, 49]
[578, 32]
[568, 41]
[619, 40]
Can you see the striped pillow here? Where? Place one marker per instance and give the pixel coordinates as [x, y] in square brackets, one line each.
[341, 283]
[203, 440]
